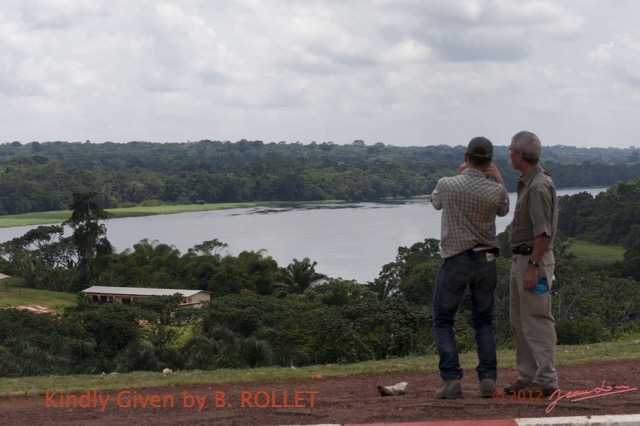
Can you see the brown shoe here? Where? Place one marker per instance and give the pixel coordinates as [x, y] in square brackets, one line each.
[452, 389]
[487, 388]
[517, 386]
[540, 390]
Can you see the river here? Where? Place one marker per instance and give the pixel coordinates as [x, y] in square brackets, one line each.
[351, 241]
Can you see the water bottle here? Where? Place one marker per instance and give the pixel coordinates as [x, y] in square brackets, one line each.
[541, 286]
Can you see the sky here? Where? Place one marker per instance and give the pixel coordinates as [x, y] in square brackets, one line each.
[400, 72]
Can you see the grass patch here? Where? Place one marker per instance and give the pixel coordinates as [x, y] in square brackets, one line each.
[628, 348]
[59, 216]
[14, 295]
[596, 255]
[30, 219]
[188, 332]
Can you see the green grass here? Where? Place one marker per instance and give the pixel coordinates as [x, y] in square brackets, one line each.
[59, 216]
[188, 332]
[14, 295]
[29, 219]
[628, 348]
[597, 255]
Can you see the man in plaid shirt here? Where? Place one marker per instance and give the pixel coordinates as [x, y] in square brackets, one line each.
[470, 202]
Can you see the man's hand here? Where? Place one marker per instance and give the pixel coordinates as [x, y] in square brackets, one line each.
[492, 172]
[530, 278]
[540, 244]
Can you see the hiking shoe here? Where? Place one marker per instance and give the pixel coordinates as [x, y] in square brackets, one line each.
[487, 388]
[519, 385]
[452, 389]
[537, 389]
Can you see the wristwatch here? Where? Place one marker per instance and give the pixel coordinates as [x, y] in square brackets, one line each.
[531, 262]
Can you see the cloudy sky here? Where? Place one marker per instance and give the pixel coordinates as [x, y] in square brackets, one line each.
[401, 72]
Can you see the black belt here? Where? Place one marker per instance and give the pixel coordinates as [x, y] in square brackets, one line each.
[522, 249]
[494, 250]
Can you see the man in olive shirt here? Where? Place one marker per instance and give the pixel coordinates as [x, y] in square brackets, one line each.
[531, 239]
[469, 202]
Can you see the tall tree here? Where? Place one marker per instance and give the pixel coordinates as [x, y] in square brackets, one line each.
[89, 235]
[412, 274]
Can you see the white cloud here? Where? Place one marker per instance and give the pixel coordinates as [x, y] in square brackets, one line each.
[621, 57]
[55, 14]
[398, 71]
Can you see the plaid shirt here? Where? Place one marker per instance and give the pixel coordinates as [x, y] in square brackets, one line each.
[469, 203]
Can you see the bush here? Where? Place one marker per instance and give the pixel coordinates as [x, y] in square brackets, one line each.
[578, 331]
[136, 357]
[9, 365]
[170, 358]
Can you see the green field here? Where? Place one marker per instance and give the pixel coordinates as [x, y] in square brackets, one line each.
[12, 294]
[59, 216]
[596, 255]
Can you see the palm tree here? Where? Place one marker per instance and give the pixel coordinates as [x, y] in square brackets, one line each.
[299, 276]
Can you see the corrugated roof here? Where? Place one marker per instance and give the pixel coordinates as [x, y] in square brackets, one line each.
[140, 291]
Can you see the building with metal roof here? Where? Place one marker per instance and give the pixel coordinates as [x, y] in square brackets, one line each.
[104, 294]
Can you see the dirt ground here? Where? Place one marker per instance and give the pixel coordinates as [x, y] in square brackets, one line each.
[596, 389]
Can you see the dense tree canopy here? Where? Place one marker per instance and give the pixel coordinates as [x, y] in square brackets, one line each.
[41, 176]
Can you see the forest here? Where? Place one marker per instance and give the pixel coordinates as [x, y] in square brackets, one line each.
[263, 313]
[39, 177]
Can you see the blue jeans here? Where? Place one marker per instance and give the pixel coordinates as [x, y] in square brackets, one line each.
[468, 268]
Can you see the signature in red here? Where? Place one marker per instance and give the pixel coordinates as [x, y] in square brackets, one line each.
[579, 395]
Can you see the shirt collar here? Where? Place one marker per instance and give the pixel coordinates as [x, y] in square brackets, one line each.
[471, 171]
[530, 175]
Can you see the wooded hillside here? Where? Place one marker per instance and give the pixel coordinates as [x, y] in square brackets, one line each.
[39, 177]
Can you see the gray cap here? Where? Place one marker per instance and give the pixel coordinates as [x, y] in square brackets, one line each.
[480, 147]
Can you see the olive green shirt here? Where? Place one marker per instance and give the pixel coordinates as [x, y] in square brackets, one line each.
[536, 210]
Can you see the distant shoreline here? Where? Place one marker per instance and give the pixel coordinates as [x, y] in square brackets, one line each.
[59, 216]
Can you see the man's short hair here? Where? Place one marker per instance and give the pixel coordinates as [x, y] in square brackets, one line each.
[528, 144]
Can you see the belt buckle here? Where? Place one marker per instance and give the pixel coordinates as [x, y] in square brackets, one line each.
[524, 250]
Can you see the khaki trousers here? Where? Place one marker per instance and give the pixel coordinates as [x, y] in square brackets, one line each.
[532, 324]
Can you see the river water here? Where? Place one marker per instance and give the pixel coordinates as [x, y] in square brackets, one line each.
[352, 241]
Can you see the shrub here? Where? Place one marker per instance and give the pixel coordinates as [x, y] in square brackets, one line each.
[136, 357]
[577, 331]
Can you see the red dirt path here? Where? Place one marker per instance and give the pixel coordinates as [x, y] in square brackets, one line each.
[336, 400]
